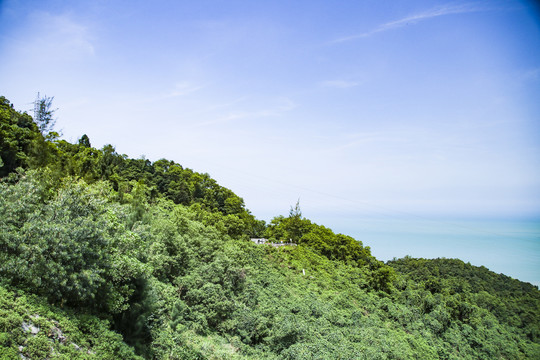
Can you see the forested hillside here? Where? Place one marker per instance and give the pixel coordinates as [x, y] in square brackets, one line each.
[107, 257]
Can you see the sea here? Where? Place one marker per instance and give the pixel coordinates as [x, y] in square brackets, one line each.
[507, 246]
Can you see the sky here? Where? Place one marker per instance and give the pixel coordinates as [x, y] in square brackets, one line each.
[407, 110]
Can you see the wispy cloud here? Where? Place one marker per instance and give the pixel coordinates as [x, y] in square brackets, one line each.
[339, 84]
[413, 19]
[531, 74]
[59, 36]
[363, 138]
[407, 140]
[284, 105]
[183, 88]
[228, 104]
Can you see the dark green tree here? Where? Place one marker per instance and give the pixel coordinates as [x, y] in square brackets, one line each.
[85, 141]
[21, 143]
[295, 222]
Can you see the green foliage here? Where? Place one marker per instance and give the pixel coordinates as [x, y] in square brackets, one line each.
[153, 258]
[85, 141]
[324, 241]
[31, 328]
[63, 247]
[512, 302]
[21, 143]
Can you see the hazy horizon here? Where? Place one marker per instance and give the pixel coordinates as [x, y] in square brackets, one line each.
[423, 107]
[392, 109]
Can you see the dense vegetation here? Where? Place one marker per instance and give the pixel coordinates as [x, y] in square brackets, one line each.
[107, 257]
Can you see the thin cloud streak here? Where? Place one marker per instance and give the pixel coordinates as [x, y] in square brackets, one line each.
[339, 84]
[413, 19]
[532, 74]
[410, 140]
[60, 36]
[183, 88]
[278, 110]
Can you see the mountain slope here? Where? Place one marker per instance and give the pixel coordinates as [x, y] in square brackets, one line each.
[123, 256]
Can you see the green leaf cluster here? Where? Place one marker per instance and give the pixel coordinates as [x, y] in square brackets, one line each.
[33, 329]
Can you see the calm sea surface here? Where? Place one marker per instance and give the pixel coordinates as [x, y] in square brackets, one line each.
[511, 247]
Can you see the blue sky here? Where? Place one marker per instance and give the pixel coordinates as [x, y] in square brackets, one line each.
[372, 108]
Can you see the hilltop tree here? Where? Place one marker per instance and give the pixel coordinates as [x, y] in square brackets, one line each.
[21, 143]
[85, 141]
[44, 115]
[295, 222]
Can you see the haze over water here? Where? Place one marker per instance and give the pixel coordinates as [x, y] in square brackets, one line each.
[504, 246]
